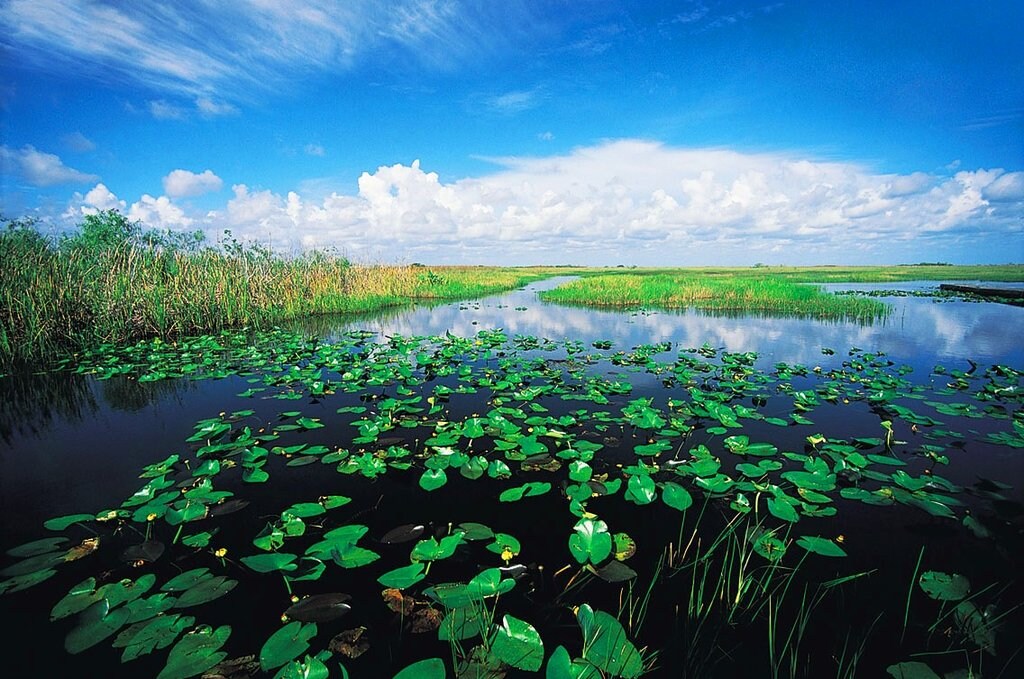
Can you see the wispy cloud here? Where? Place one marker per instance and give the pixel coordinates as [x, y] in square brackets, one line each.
[996, 120]
[219, 54]
[515, 101]
[315, 150]
[161, 109]
[634, 200]
[38, 168]
[701, 17]
[78, 142]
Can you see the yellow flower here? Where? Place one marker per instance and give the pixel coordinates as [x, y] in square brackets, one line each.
[221, 553]
[506, 555]
[151, 517]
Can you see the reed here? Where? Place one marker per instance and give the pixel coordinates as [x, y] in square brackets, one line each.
[114, 282]
[744, 292]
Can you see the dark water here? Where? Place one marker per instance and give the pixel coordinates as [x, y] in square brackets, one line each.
[72, 444]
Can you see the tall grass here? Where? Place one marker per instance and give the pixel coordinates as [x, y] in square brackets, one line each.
[735, 292]
[114, 282]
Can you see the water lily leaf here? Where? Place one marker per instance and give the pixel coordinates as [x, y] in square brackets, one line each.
[475, 531]
[20, 582]
[606, 645]
[624, 546]
[640, 489]
[32, 564]
[579, 471]
[62, 522]
[286, 644]
[782, 509]
[353, 556]
[518, 644]
[147, 636]
[911, 670]
[95, 623]
[820, 545]
[944, 586]
[432, 668]
[976, 625]
[148, 551]
[196, 652]
[675, 496]
[267, 563]
[37, 547]
[529, 489]
[334, 501]
[590, 541]
[183, 581]
[615, 571]
[498, 470]
[462, 623]
[308, 668]
[305, 510]
[434, 550]
[405, 533]
[474, 468]
[432, 479]
[205, 590]
[403, 577]
[320, 607]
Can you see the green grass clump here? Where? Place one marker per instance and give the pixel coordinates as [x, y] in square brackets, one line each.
[114, 282]
[732, 292]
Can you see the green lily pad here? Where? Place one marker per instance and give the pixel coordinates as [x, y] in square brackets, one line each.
[431, 668]
[820, 545]
[95, 623]
[518, 644]
[196, 652]
[286, 644]
[944, 586]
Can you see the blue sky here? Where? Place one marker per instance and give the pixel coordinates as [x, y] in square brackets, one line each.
[584, 132]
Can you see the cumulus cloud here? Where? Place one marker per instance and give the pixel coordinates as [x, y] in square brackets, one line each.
[96, 199]
[180, 183]
[636, 201]
[1007, 187]
[159, 213]
[40, 169]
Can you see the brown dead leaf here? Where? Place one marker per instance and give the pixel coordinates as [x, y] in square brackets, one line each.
[84, 548]
[350, 643]
[398, 602]
[425, 620]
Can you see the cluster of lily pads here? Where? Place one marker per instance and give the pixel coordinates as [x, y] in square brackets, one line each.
[581, 426]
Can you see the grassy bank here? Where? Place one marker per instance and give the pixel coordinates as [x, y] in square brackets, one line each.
[114, 282]
[736, 292]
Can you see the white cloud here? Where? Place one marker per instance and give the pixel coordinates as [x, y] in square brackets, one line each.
[1007, 187]
[40, 169]
[546, 136]
[179, 183]
[165, 110]
[314, 150]
[96, 199]
[236, 50]
[211, 109]
[159, 213]
[78, 142]
[636, 201]
[513, 102]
